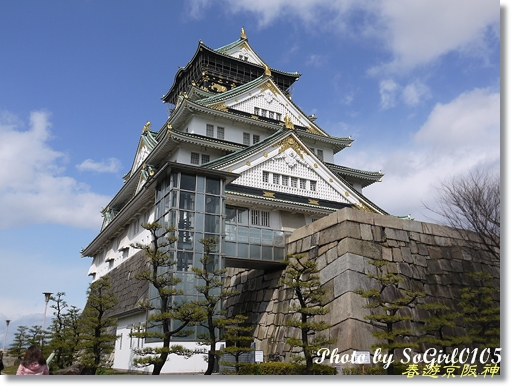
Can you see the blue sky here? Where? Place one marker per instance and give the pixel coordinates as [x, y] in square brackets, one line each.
[416, 84]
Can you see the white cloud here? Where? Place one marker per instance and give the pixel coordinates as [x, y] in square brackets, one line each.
[458, 136]
[388, 90]
[316, 60]
[471, 121]
[33, 188]
[419, 32]
[112, 165]
[415, 32]
[415, 92]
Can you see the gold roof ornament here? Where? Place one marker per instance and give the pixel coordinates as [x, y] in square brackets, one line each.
[288, 124]
[267, 70]
[242, 34]
[146, 127]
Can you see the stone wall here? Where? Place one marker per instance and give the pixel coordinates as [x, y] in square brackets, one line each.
[129, 290]
[432, 259]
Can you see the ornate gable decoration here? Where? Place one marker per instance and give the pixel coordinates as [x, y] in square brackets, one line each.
[243, 51]
[265, 100]
[141, 155]
[146, 144]
[291, 143]
[288, 166]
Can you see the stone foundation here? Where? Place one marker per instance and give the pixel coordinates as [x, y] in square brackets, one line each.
[432, 259]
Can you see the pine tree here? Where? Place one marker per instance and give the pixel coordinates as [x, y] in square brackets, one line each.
[211, 288]
[165, 310]
[57, 342]
[301, 275]
[480, 312]
[63, 332]
[96, 339]
[441, 317]
[20, 342]
[71, 335]
[386, 301]
[238, 337]
[35, 334]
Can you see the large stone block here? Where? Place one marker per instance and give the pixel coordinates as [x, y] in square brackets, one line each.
[399, 235]
[371, 250]
[350, 281]
[349, 245]
[388, 221]
[333, 233]
[345, 262]
[412, 225]
[348, 305]
[353, 335]
[366, 232]
[356, 216]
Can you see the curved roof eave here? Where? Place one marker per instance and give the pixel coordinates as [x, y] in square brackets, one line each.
[213, 51]
[240, 40]
[187, 105]
[358, 173]
[218, 98]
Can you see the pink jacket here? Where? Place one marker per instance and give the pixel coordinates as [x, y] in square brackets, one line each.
[33, 369]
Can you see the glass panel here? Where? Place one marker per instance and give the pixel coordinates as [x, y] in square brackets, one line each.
[200, 203]
[255, 236]
[187, 201]
[167, 182]
[213, 204]
[188, 182]
[166, 220]
[279, 238]
[197, 259]
[199, 222]
[172, 219]
[173, 198]
[266, 252]
[243, 216]
[243, 250]
[267, 237]
[175, 179]
[184, 262]
[230, 249]
[212, 186]
[199, 245]
[243, 234]
[212, 224]
[230, 215]
[186, 221]
[255, 252]
[200, 184]
[185, 240]
[230, 233]
[167, 202]
[278, 253]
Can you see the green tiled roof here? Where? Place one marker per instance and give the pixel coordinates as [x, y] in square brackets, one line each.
[233, 92]
[222, 50]
[354, 172]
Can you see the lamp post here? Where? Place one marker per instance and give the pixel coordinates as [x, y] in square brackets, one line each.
[6, 330]
[46, 299]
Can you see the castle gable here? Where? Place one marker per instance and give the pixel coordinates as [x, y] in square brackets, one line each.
[146, 143]
[286, 165]
[263, 99]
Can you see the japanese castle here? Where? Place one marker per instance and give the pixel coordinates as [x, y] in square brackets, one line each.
[236, 160]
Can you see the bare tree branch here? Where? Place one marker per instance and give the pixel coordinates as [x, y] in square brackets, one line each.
[472, 202]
